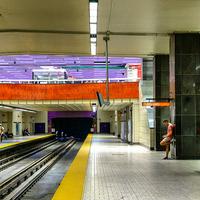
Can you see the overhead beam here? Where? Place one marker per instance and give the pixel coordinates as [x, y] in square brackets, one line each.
[81, 32]
[43, 31]
[134, 34]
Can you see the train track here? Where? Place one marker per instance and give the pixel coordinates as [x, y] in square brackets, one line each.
[21, 147]
[12, 159]
[15, 186]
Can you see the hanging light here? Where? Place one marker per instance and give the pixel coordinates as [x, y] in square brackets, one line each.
[93, 8]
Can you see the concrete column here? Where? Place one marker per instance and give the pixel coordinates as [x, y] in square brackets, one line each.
[42, 117]
[17, 123]
[10, 121]
[161, 90]
[116, 123]
[119, 123]
[123, 126]
[135, 123]
[129, 124]
[28, 121]
[98, 121]
[185, 88]
[4, 120]
[126, 124]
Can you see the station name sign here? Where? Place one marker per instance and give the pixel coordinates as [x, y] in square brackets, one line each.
[157, 104]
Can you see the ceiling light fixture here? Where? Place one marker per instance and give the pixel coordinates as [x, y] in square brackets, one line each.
[93, 39]
[93, 48]
[6, 107]
[93, 29]
[25, 110]
[93, 12]
[94, 107]
[16, 108]
[93, 8]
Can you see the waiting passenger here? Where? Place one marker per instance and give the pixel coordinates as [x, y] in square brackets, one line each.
[8, 134]
[4, 135]
[26, 132]
[167, 138]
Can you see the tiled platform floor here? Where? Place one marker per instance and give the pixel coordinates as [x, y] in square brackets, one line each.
[117, 171]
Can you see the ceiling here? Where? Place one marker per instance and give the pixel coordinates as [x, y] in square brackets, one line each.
[137, 27]
[142, 27]
[33, 19]
[67, 106]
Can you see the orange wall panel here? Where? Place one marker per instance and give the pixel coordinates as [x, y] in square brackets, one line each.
[67, 91]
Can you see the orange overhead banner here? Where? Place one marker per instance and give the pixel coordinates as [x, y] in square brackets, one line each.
[157, 104]
[124, 90]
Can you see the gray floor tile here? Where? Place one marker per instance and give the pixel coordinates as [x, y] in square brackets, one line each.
[118, 171]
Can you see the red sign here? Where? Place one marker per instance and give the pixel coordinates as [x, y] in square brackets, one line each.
[157, 104]
[138, 67]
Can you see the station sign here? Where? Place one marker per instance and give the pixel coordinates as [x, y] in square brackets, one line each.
[134, 71]
[157, 104]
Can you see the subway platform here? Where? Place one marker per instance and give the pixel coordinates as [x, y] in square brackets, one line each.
[16, 140]
[118, 171]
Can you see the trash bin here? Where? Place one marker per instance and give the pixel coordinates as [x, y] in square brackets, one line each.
[173, 148]
[152, 138]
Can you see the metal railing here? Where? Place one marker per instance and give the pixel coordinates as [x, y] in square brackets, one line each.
[63, 81]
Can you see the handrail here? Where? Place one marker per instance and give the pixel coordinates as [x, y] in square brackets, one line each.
[61, 81]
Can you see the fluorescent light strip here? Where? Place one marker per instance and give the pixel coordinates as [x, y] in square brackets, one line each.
[93, 49]
[93, 12]
[6, 107]
[93, 8]
[25, 110]
[94, 107]
[93, 29]
[93, 39]
[16, 108]
[93, 19]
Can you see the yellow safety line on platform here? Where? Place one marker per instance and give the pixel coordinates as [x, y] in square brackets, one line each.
[72, 185]
[24, 141]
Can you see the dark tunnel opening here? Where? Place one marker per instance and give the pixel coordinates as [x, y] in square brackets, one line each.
[76, 127]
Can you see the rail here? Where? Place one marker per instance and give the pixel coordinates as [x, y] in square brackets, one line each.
[16, 185]
[63, 81]
[10, 160]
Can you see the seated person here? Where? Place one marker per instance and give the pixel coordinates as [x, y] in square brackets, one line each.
[2, 134]
[167, 138]
[8, 134]
[26, 132]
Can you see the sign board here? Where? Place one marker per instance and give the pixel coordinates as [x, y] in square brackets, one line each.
[134, 71]
[157, 104]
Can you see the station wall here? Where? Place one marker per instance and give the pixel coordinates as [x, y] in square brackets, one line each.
[106, 116]
[144, 130]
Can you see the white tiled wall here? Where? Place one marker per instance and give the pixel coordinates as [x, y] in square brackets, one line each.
[106, 116]
[136, 123]
[144, 129]
[4, 119]
[42, 117]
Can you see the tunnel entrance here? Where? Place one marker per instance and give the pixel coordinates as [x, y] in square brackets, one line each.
[76, 127]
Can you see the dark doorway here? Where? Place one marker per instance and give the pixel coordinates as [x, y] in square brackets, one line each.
[39, 128]
[104, 127]
[76, 127]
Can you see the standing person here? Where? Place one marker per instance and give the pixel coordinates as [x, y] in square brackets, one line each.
[1, 131]
[167, 138]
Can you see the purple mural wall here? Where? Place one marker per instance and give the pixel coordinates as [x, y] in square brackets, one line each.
[84, 67]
